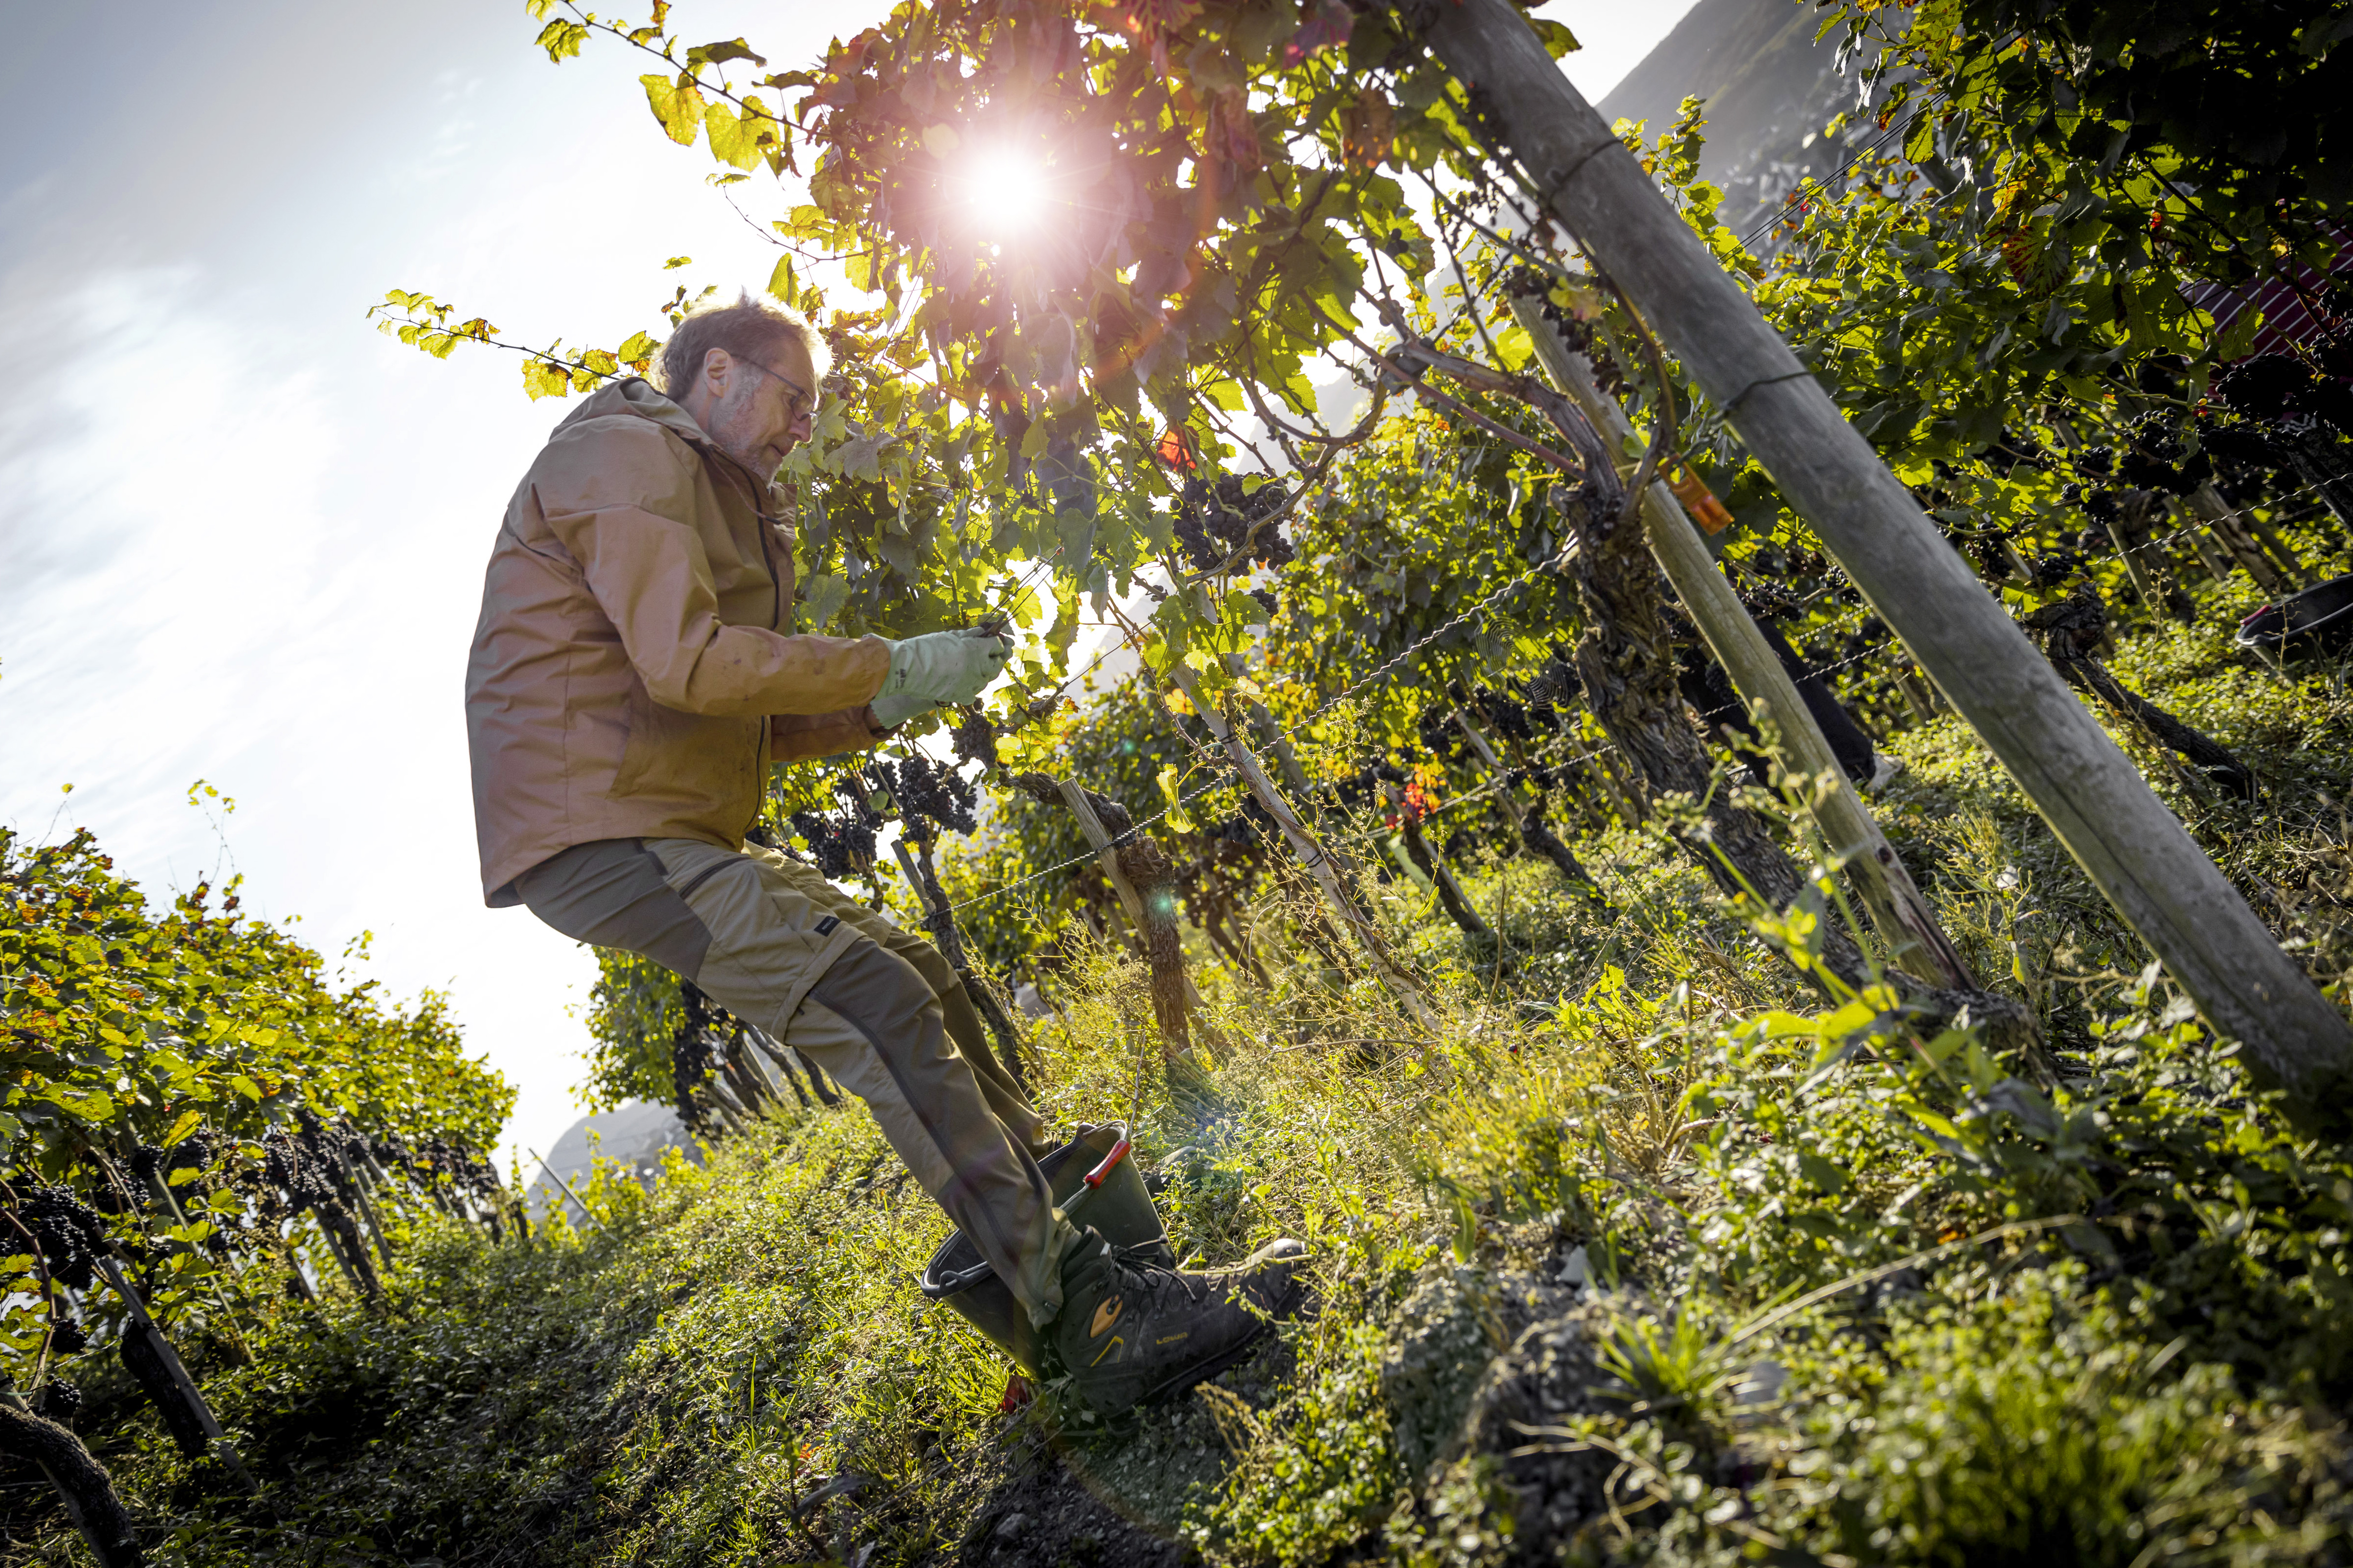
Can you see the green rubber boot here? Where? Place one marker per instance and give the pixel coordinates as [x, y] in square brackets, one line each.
[1132, 1331]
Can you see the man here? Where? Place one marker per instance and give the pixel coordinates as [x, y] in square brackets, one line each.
[635, 674]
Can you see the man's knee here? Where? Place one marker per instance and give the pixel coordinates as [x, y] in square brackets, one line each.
[926, 960]
[881, 994]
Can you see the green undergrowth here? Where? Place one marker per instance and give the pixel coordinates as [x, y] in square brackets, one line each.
[1653, 1255]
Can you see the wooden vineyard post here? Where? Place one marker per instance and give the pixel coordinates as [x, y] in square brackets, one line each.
[2230, 528]
[1903, 918]
[1312, 856]
[2134, 850]
[214, 1436]
[2210, 553]
[351, 1179]
[1139, 872]
[551, 1175]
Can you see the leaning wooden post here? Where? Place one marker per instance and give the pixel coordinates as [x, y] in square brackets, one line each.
[1139, 873]
[1423, 859]
[2134, 850]
[1903, 918]
[568, 1193]
[1130, 897]
[217, 1440]
[1310, 855]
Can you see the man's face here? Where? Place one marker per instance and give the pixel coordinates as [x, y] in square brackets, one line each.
[759, 411]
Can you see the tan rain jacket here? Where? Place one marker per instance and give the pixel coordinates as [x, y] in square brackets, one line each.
[634, 673]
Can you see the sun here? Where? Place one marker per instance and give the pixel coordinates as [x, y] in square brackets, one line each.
[1008, 191]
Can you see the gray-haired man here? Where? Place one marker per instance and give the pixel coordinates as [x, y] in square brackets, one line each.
[635, 674]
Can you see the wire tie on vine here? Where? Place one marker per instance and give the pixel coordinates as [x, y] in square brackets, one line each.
[1560, 182]
[1768, 381]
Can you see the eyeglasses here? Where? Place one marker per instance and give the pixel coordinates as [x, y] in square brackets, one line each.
[803, 398]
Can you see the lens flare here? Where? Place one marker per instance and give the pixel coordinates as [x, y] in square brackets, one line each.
[1009, 192]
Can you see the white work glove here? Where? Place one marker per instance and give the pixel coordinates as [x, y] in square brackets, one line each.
[939, 667]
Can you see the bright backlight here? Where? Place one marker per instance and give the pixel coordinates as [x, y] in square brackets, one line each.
[1007, 192]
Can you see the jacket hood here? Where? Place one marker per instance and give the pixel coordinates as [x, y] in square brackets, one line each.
[639, 396]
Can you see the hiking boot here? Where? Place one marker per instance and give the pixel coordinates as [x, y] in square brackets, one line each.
[1132, 1331]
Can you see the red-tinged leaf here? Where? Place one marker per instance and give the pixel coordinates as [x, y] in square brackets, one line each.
[1328, 27]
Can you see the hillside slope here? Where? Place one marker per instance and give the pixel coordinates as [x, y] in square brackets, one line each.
[1681, 1273]
[1768, 85]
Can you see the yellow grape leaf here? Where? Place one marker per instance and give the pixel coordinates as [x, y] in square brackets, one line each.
[736, 141]
[541, 379]
[188, 1122]
[678, 108]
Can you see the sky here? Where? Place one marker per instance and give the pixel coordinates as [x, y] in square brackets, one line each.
[241, 535]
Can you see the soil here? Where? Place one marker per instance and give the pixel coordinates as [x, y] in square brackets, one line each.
[1486, 1363]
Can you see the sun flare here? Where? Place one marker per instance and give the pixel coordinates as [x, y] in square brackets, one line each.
[1008, 192]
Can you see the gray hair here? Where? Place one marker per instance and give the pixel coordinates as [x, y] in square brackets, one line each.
[748, 329]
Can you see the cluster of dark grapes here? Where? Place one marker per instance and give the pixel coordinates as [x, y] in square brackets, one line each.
[927, 789]
[1525, 715]
[463, 1166]
[297, 1168]
[1213, 521]
[842, 842]
[1579, 335]
[57, 1400]
[2283, 389]
[1363, 787]
[1581, 338]
[975, 738]
[69, 1235]
[1252, 824]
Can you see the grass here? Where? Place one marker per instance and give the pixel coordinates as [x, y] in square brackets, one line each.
[1654, 1258]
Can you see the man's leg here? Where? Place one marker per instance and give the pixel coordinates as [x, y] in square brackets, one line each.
[781, 958]
[962, 1019]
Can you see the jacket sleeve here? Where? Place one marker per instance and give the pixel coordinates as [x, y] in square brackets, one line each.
[797, 737]
[616, 493]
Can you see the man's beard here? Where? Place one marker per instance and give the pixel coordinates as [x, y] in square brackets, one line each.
[737, 431]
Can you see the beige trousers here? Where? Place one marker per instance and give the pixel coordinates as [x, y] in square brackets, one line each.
[877, 1007]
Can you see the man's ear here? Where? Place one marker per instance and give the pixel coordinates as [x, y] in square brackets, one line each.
[716, 363]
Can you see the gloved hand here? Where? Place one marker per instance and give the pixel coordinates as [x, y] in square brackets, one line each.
[939, 667]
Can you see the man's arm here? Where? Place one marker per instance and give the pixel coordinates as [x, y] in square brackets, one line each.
[614, 496]
[797, 737]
